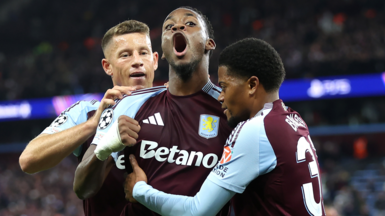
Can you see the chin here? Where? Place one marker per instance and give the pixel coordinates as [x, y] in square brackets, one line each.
[233, 121]
[184, 69]
[139, 85]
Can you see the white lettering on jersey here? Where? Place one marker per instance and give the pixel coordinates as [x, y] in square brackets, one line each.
[294, 121]
[120, 162]
[311, 205]
[148, 150]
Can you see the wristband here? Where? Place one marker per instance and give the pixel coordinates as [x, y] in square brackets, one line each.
[111, 142]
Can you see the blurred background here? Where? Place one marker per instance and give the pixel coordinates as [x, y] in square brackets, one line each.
[333, 51]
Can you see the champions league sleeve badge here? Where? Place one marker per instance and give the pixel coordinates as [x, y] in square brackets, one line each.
[106, 118]
[208, 126]
[61, 119]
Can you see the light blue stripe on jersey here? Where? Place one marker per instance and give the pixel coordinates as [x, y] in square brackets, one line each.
[128, 106]
[252, 156]
[208, 201]
[75, 114]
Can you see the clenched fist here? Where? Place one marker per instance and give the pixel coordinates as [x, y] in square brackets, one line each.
[122, 133]
[128, 130]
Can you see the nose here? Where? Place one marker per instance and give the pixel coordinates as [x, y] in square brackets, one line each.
[178, 27]
[221, 97]
[137, 62]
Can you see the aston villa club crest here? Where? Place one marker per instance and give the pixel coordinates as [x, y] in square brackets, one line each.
[208, 126]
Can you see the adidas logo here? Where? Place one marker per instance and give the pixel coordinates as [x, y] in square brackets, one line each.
[157, 120]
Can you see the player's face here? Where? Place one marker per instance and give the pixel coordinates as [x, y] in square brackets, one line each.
[130, 61]
[183, 37]
[234, 97]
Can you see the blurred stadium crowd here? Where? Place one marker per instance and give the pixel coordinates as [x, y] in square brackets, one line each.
[50, 48]
[53, 47]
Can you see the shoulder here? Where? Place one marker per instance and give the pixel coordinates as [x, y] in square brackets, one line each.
[141, 95]
[282, 118]
[132, 103]
[82, 106]
[253, 128]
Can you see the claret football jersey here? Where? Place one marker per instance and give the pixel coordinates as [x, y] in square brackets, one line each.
[110, 199]
[180, 141]
[271, 163]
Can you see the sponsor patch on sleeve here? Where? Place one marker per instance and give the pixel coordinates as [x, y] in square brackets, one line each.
[61, 119]
[220, 170]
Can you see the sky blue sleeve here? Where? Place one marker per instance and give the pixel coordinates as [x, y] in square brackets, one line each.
[247, 155]
[72, 116]
[208, 201]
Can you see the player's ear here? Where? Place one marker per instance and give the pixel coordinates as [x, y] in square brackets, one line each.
[210, 44]
[107, 67]
[156, 58]
[252, 84]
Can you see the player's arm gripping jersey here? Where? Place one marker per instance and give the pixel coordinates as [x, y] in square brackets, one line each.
[128, 106]
[247, 155]
[72, 116]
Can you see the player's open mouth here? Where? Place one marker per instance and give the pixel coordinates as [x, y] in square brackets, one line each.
[137, 75]
[180, 44]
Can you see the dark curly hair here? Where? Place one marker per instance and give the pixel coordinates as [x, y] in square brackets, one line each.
[254, 57]
[209, 27]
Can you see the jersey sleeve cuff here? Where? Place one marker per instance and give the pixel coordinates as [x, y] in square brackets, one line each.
[228, 186]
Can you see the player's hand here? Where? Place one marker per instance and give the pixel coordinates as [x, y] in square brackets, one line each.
[128, 130]
[109, 100]
[122, 133]
[134, 177]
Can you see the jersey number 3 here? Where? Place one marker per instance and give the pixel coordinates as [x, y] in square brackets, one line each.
[311, 205]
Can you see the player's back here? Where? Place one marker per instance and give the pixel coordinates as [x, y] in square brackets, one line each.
[293, 187]
[180, 141]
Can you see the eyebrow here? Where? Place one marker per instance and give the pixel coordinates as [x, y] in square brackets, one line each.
[169, 17]
[186, 14]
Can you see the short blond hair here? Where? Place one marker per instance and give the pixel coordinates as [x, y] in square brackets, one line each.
[126, 27]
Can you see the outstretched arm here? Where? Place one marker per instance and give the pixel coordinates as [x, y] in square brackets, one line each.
[249, 157]
[47, 150]
[208, 201]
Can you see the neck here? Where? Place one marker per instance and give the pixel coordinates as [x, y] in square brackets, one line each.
[198, 80]
[266, 98]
